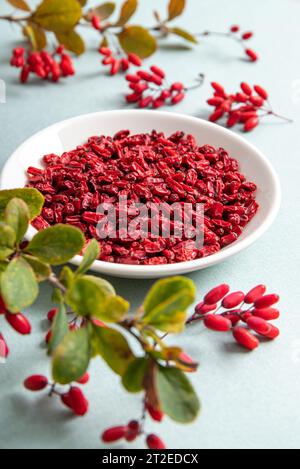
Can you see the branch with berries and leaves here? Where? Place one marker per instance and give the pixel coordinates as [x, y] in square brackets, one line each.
[127, 43]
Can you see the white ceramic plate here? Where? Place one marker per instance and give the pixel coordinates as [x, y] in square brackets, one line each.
[66, 135]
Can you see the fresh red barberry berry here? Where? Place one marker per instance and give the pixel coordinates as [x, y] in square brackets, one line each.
[51, 314]
[177, 87]
[247, 35]
[269, 314]
[114, 434]
[79, 403]
[158, 71]
[66, 66]
[4, 349]
[154, 442]
[134, 59]
[251, 123]
[218, 88]
[254, 294]
[66, 400]
[60, 49]
[246, 88]
[233, 300]
[105, 51]
[266, 301]
[178, 98]
[245, 316]
[216, 294]
[133, 430]
[19, 323]
[3, 309]
[85, 378]
[234, 29]
[48, 337]
[36, 383]
[259, 325]
[125, 64]
[273, 333]
[252, 55]
[96, 23]
[233, 316]
[245, 338]
[156, 414]
[217, 323]
[203, 308]
[24, 74]
[233, 119]
[261, 92]
[215, 116]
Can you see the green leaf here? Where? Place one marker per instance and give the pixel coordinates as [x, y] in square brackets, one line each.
[115, 310]
[177, 397]
[59, 328]
[20, 4]
[133, 378]
[87, 296]
[41, 269]
[184, 34]
[71, 357]
[72, 41]
[113, 348]
[175, 8]
[138, 40]
[127, 11]
[57, 244]
[31, 197]
[36, 35]
[91, 253]
[166, 303]
[17, 216]
[66, 276]
[19, 286]
[7, 241]
[103, 11]
[57, 16]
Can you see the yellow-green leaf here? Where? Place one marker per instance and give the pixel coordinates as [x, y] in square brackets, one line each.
[184, 34]
[59, 328]
[127, 10]
[7, 241]
[133, 378]
[177, 397]
[17, 216]
[41, 269]
[103, 11]
[19, 286]
[138, 40]
[31, 197]
[20, 4]
[57, 15]
[71, 357]
[91, 253]
[175, 8]
[72, 41]
[113, 348]
[36, 35]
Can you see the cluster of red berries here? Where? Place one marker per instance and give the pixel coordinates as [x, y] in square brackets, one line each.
[117, 63]
[134, 429]
[17, 321]
[256, 315]
[245, 107]
[149, 89]
[242, 38]
[42, 64]
[74, 398]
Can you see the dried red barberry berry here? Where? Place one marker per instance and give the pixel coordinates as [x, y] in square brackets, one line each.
[19, 323]
[36, 383]
[154, 442]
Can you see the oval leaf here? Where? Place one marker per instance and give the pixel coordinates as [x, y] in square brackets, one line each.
[128, 9]
[177, 397]
[91, 253]
[103, 11]
[166, 303]
[176, 8]
[138, 40]
[31, 197]
[7, 241]
[113, 348]
[42, 271]
[71, 357]
[72, 41]
[17, 216]
[57, 16]
[57, 244]
[59, 328]
[184, 34]
[20, 4]
[133, 378]
[36, 36]
[19, 286]
[87, 296]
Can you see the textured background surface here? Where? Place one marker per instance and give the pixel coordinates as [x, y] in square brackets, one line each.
[249, 400]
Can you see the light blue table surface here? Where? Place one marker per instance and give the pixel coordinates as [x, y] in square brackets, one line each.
[249, 400]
